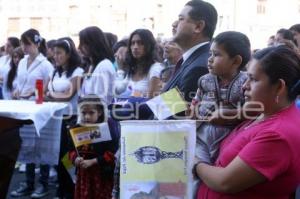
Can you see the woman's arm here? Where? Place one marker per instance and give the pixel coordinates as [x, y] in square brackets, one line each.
[154, 87]
[248, 111]
[68, 94]
[45, 87]
[236, 177]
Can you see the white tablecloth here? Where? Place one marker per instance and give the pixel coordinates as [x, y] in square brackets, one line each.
[41, 140]
[40, 114]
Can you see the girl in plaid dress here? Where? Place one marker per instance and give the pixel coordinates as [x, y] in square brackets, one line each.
[95, 163]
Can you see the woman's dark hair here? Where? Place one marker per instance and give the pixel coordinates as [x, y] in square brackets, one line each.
[235, 43]
[295, 27]
[150, 55]
[92, 99]
[281, 62]
[93, 39]
[202, 10]
[14, 41]
[13, 67]
[32, 35]
[119, 44]
[286, 34]
[67, 44]
[111, 39]
[159, 52]
[51, 43]
[2, 48]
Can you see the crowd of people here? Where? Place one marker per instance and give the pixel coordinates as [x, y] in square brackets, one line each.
[246, 148]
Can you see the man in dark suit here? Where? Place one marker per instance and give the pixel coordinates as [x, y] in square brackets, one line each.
[192, 32]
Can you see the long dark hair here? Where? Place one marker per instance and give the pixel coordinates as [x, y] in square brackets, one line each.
[14, 41]
[13, 67]
[94, 40]
[111, 39]
[32, 35]
[150, 55]
[281, 62]
[67, 44]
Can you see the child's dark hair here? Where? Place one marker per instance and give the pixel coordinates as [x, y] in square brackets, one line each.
[32, 35]
[93, 100]
[235, 43]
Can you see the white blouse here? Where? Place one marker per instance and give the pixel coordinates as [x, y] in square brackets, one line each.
[4, 70]
[100, 82]
[7, 94]
[4, 65]
[141, 87]
[40, 68]
[63, 83]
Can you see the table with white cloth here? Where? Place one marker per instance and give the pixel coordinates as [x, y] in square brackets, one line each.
[41, 140]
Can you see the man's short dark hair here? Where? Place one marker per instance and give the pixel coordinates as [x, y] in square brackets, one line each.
[202, 10]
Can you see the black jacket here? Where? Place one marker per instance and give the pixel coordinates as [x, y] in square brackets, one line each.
[190, 71]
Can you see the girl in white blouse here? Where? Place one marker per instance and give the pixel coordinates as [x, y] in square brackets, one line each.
[144, 70]
[32, 67]
[5, 63]
[65, 80]
[63, 87]
[100, 75]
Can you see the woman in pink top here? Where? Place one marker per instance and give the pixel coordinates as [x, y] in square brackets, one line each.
[260, 158]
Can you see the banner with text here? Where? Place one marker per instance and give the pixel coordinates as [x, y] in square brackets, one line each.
[156, 158]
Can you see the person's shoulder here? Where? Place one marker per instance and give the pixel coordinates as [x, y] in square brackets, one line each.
[3, 58]
[240, 79]
[44, 61]
[156, 66]
[202, 50]
[207, 76]
[199, 59]
[105, 65]
[243, 75]
[78, 70]
[105, 62]
[23, 61]
[204, 79]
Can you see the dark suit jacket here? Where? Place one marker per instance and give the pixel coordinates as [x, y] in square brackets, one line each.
[190, 71]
